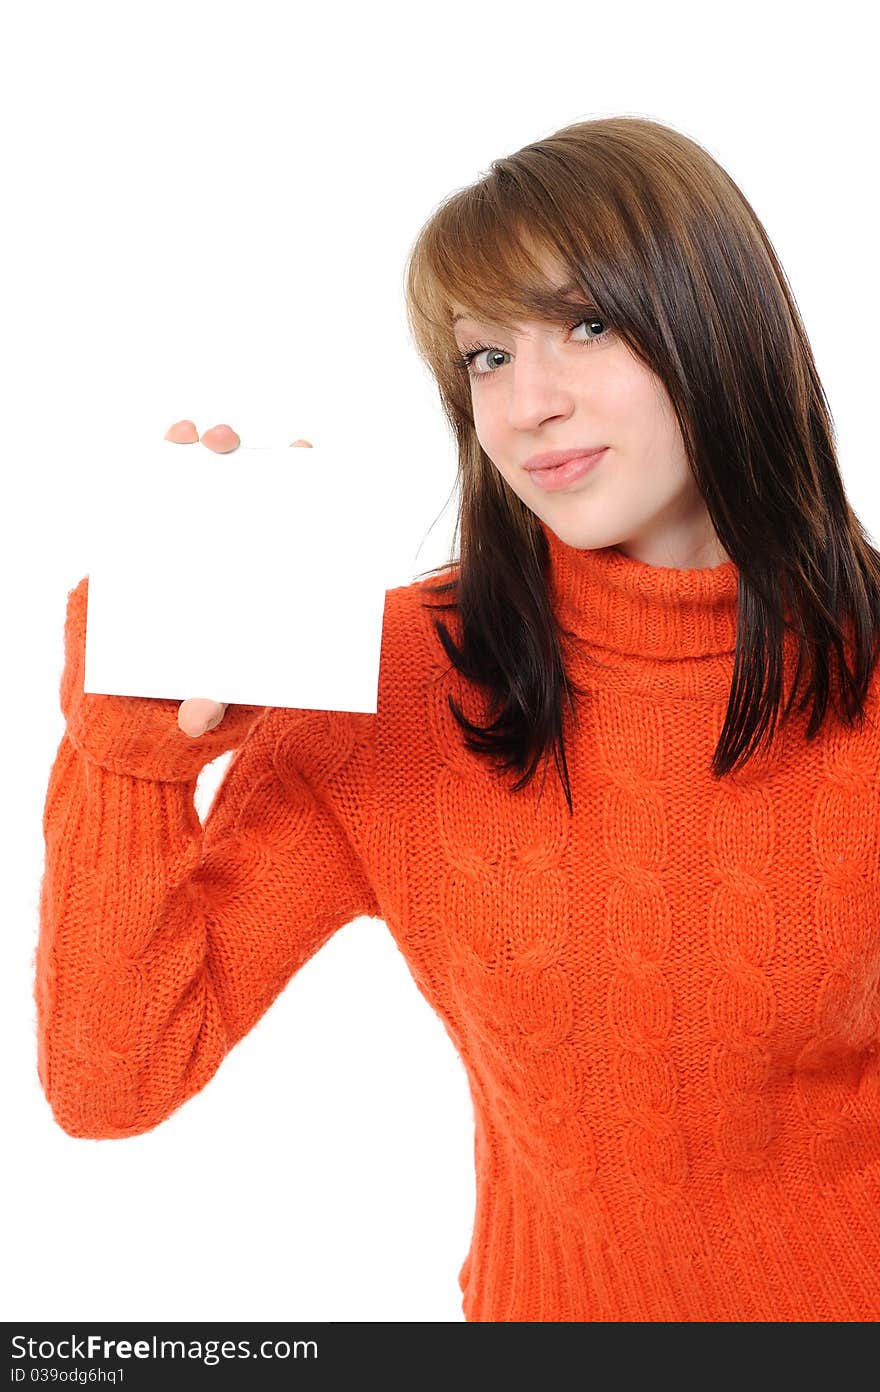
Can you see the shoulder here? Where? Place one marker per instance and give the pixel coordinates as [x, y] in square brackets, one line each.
[868, 729]
[412, 654]
[411, 609]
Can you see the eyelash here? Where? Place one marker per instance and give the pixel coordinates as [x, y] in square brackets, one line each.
[464, 363]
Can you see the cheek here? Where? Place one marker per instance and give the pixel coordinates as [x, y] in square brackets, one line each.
[514, 477]
[489, 436]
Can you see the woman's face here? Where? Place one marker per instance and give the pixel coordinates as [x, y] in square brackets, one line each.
[583, 388]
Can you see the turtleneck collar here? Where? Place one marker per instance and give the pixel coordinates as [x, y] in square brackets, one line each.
[646, 623]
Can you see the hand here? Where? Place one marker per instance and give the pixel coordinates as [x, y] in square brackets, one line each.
[196, 714]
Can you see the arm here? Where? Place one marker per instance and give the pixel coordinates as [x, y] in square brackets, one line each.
[162, 942]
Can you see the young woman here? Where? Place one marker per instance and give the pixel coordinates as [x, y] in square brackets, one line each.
[662, 967]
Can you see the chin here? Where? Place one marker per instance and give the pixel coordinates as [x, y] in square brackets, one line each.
[583, 538]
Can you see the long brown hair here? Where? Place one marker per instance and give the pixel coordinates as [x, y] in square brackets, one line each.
[662, 245]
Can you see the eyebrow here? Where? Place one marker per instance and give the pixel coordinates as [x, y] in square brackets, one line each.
[570, 288]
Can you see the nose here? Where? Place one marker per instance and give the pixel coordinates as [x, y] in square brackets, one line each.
[540, 387]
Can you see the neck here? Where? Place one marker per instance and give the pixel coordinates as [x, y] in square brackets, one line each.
[656, 627]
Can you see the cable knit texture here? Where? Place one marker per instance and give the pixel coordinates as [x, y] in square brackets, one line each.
[667, 1005]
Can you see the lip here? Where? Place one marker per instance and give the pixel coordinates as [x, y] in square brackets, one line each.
[555, 457]
[570, 466]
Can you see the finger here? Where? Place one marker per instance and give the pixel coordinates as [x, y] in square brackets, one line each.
[216, 718]
[221, 439]
[196, 715]
[297, 443]
[182, 433]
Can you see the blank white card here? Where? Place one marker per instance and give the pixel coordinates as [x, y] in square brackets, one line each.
[256, 577]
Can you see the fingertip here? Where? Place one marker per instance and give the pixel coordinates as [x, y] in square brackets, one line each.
[221, 438]
[182, 432]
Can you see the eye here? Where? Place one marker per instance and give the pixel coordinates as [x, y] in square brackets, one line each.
[466, 361]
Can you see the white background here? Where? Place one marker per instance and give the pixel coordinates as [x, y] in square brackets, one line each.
[206, 213]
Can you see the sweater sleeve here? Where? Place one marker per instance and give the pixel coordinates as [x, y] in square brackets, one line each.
[162, 941]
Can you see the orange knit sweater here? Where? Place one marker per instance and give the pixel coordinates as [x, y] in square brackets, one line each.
[668, 1005]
